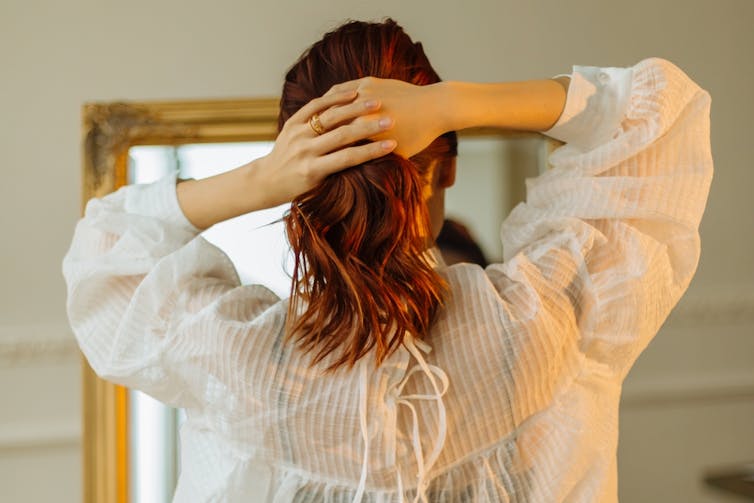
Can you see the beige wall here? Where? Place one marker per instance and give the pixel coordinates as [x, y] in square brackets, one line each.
[54, 56]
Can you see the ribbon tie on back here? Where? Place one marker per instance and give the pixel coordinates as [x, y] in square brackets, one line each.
[393, 398]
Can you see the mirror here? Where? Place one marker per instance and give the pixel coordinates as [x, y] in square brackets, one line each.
[131, 451]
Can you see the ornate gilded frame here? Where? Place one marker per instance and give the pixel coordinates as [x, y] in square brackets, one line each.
[109, 130]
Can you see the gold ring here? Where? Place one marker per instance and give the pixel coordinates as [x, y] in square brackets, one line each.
[316, 125]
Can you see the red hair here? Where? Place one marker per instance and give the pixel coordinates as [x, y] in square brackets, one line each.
[361, 278]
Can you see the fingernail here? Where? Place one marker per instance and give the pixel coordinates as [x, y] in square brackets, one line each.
[370, 104]
[385, 122]
[388, 144]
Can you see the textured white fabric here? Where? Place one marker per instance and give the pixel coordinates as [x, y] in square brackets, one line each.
[518, 399]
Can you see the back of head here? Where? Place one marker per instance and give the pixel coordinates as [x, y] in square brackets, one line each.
[362, 278]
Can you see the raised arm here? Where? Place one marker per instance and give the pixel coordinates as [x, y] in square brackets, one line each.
[607, 240]
[154, 305]
[612, 227]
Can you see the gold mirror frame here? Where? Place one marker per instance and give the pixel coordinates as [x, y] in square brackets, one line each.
[109, 130]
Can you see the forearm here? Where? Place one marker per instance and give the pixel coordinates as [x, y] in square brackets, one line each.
[533, 105]
[212, 200]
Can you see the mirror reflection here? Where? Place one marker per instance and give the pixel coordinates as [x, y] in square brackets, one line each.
[494, 171]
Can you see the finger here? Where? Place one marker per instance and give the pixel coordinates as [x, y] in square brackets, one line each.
[322, 103]
[353, 156]
[350, 133]
[337, 115]
[351, 85]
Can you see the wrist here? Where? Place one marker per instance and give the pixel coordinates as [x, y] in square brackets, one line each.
[468, 105]
[461, 106]
[533, 105]
[443, 97]
[252, 179]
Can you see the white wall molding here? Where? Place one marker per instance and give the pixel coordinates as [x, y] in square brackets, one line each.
[687, 389]
[22, 352]
[40, 435]
[25, 344]
[714, 306]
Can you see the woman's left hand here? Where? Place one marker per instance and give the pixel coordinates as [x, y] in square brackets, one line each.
[301, 158]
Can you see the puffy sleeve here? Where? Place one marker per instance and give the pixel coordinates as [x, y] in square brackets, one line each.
[156, 307]
[607, 240]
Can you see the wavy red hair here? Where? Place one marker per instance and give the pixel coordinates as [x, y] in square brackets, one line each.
[361, 277]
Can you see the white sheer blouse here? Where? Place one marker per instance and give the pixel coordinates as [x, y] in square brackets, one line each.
[513, 396]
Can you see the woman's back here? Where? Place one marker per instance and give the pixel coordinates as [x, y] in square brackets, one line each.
[517, 405]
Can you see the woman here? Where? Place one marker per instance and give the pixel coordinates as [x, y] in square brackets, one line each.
[514, 391]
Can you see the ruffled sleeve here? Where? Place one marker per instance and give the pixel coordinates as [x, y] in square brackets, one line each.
[607, 240]
[154, 305]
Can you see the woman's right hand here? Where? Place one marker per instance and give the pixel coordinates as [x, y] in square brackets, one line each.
[419, 112]
[422, 113]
